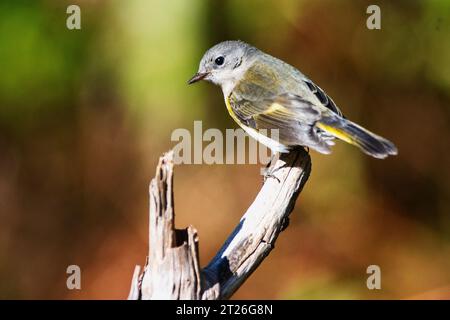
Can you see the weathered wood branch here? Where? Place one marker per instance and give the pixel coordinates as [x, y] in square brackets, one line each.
[173, 270]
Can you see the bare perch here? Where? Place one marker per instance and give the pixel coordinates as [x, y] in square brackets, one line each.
[172, 270]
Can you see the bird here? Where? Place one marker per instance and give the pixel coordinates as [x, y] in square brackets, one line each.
[264, 92]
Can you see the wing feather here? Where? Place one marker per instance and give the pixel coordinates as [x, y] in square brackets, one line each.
[293, 116]
[323, 97]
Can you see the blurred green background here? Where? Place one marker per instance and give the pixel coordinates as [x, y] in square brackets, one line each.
[85, 114]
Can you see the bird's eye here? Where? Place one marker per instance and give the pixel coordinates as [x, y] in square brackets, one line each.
[219, 60]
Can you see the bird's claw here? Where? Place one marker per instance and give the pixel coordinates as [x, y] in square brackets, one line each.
[269, 173]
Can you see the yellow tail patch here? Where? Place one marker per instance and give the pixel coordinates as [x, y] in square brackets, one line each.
[338, 133]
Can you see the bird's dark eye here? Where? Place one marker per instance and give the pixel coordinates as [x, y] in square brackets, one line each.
[219, 60]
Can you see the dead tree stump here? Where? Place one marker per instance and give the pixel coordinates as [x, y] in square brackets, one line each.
[173, 270]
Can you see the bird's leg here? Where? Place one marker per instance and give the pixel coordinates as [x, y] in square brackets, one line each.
[269, 170]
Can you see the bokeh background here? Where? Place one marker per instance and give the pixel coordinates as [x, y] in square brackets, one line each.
[85, 114]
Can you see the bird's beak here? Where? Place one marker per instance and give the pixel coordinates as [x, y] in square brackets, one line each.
[197, 77]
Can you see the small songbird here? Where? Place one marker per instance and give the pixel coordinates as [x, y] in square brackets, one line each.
[263, 92]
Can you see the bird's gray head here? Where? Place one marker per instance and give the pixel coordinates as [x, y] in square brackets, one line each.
[224, 63]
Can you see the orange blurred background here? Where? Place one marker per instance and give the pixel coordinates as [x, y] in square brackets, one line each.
[85, 115]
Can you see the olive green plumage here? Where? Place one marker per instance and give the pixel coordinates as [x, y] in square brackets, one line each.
[263, 92]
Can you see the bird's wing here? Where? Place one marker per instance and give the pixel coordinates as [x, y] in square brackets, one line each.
[278, 109]
[292, 115]
[269, 77]
[322, 96]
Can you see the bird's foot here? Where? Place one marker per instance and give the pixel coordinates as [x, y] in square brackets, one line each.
[269, 173]
[270, 169]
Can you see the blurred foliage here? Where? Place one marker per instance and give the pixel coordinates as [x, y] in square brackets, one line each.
[85, 114]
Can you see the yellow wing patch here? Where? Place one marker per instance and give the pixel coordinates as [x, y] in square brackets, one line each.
[338, 133]
[274, 108]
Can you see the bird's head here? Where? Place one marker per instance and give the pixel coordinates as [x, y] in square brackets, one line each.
[224, 63]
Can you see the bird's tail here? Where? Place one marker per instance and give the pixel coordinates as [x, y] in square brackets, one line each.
[350, 132]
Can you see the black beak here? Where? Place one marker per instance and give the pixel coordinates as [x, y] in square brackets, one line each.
[197, 77]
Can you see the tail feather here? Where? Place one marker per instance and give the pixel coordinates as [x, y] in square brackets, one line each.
[350, 132]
